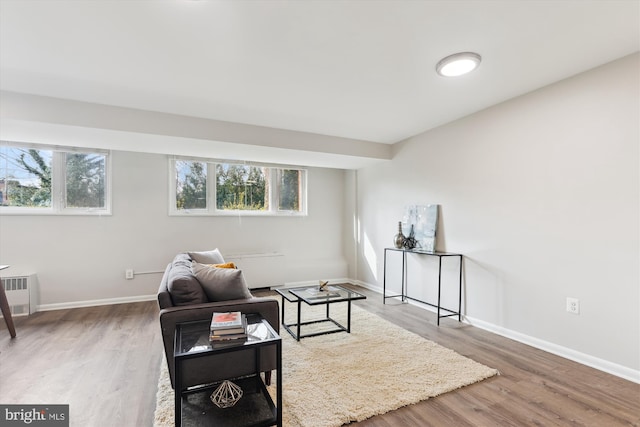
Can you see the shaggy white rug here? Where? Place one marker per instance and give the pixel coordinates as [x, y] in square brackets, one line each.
[334, 379]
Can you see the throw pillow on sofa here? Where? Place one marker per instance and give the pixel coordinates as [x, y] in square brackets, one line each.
[183, 287]
[225, 265]
[207, 257]
[221, 284]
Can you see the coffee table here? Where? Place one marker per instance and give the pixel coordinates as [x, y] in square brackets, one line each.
[192, 404]
[311, 296]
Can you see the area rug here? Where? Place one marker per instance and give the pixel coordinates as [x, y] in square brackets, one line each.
[335, 379]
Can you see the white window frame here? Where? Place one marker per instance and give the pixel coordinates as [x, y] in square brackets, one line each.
[212, 210]
[58, 182]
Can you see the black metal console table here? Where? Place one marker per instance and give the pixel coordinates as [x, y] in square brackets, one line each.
[404, 292]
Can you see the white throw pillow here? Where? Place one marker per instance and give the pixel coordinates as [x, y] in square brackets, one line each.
[207, 257]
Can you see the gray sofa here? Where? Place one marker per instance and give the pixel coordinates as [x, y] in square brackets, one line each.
[184, 296]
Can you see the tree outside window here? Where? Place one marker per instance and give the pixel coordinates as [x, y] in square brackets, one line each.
[236, 188]
[191, 185]
[25, 177]
[290, 188]
[52, 181]
[241, 187]
[85, 180]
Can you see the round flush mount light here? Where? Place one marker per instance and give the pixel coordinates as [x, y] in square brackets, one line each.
[458, 64]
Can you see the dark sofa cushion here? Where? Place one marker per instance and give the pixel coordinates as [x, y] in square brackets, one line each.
[164, 297]
[221, 284]
[184, 288]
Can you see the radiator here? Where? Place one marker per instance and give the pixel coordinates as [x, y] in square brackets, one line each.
[21, 294]
[260, 270]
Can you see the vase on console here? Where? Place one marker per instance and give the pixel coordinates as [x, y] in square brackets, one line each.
[398, 240]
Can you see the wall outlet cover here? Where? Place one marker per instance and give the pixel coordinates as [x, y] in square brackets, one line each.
[573, 305]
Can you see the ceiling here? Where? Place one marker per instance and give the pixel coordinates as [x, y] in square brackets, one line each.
[363, 70]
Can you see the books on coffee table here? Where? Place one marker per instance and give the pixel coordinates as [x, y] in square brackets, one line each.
[228, 326]
[326, 292]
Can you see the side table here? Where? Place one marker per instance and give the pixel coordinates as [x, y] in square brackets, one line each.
[255, 408]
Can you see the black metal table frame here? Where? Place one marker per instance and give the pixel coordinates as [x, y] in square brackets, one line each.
[404, 290]
[328, 301]
[254, 347]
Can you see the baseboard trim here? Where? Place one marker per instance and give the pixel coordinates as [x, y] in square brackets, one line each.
[96, 302]
[558, 350]
[568, 353]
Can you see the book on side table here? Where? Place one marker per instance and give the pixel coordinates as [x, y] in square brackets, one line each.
[228, 326]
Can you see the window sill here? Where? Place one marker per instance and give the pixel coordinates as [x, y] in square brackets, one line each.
[50, 212]
[237, 214]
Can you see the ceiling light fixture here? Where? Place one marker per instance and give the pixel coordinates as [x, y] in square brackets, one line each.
[458, 64]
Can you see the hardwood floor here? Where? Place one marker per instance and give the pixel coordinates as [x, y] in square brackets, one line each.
[104, 362]
[534, 388]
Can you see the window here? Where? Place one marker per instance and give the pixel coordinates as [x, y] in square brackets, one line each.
[241, 188]
[25, 177]
[37, 179]
[85, 180]
[191, 185]
[207, 187]
[289, 194]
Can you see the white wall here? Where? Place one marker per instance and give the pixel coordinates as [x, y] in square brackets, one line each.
[82, 258]
[541, 194]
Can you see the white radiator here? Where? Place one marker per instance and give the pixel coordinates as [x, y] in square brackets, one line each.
[21, 293]
[260, 270]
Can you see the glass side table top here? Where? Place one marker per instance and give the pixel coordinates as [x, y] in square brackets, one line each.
[193, 337]
[333, 293]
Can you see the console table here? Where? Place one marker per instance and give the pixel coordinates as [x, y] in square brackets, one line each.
[404, 292]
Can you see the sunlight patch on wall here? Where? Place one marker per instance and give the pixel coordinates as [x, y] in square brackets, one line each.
[370, 256]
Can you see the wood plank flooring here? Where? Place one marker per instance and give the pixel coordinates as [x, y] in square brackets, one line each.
[104, 362]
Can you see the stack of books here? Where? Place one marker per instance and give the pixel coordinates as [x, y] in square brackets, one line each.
[228, 327]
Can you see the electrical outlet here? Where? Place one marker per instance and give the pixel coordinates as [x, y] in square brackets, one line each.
[573, 305]
[128, 273]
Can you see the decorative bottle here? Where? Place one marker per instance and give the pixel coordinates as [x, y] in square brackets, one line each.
[398, 240]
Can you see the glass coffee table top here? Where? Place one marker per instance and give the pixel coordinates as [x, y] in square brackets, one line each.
[314, 296]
